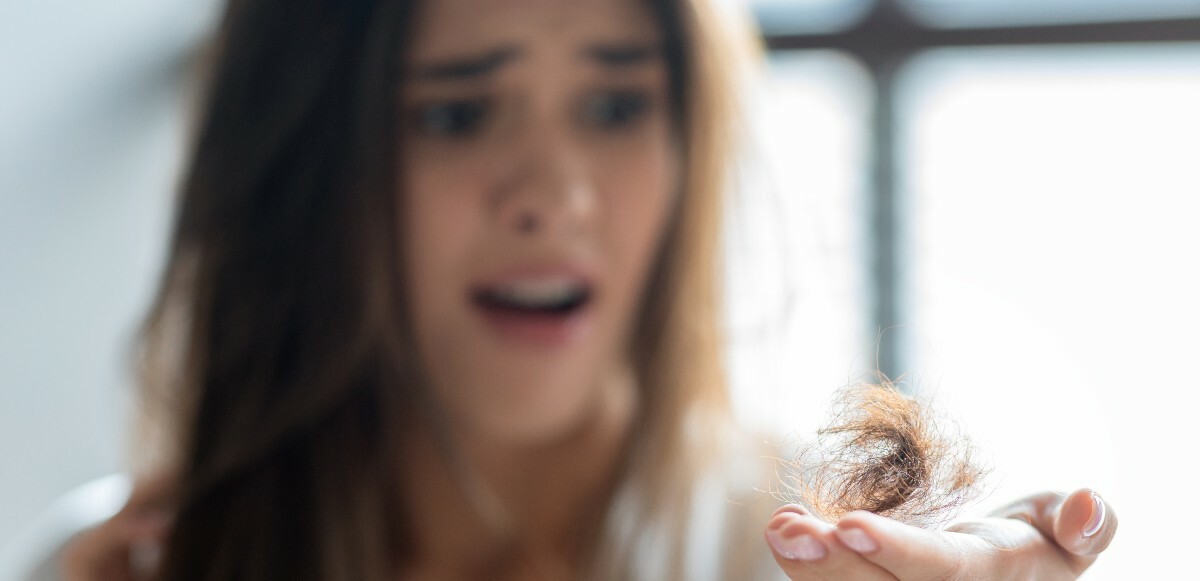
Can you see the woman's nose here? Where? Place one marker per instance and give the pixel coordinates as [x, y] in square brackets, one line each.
[550, 191]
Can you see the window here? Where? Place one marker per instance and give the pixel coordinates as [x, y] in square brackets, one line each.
[1054, 196]
[1029, 198]
[809, 15]
[960, 13]
[795, 242]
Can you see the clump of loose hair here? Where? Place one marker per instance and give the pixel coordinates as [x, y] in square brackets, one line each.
[888, 453]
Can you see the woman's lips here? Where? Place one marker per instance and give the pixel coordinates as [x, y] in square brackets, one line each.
[544, 307]
[537, 329]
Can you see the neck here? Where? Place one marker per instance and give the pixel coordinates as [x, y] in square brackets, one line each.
[482, 504]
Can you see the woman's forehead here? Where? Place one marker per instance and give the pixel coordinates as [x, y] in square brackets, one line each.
[453, 28]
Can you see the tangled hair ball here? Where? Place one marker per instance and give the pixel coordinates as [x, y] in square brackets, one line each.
[887, 453]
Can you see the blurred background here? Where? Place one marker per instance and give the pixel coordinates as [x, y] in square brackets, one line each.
[993, 201]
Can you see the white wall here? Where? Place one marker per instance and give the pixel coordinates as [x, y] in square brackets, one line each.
[91, 127]
[1054, 197]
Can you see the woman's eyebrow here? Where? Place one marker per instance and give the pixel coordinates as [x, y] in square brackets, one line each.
[467, 68]
[622, 55]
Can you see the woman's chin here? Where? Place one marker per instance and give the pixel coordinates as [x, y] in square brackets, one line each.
[530, 423]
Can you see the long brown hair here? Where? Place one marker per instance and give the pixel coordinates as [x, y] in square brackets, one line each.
[278, 353]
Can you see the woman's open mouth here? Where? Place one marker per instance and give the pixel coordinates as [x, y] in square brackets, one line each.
[543, 310]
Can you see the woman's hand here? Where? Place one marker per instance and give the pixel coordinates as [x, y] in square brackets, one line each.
[1047, 536]
[125, 547]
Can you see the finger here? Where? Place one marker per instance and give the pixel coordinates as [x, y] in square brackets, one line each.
[147, 519]
[794, 570]
[99, 553]
[116, 549]
[1100, 527]
[147, 515]
[1085, 524]
[807, 548]
[792, 508]
[127, 542]
[1038, 510]
[1082, 523]
[153, 493]
[908, 552]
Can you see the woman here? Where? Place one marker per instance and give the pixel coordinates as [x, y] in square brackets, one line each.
[441, 304]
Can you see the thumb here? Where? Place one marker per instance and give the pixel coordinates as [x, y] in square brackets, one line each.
[1082, 523]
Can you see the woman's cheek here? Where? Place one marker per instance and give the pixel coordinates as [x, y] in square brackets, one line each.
[638, 194]
[440, 220]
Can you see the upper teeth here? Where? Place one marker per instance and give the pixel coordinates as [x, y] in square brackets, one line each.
[535, 292]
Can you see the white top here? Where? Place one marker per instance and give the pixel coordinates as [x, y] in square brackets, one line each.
[724, 540]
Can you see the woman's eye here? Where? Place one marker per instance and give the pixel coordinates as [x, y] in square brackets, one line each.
[451, 119]
[616, 109]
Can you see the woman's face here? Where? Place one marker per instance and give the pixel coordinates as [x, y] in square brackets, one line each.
[539, 168]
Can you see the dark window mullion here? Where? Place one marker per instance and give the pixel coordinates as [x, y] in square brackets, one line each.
[883, 42]
[877, 34]
[886, 239]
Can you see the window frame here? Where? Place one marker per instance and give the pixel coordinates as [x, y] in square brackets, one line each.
[887, 38]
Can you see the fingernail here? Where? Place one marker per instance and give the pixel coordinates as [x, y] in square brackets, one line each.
[1097, 521]
[857, 539]
[802, 547]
